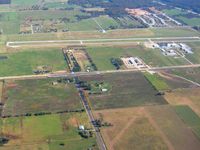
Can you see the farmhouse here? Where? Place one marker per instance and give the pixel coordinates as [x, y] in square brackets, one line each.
[81, 127]
[104, 90]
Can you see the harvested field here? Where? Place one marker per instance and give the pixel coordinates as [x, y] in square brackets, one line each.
[190, 97]
[174, 82]
[1, 90]
[189, 73]
[131, 129]
[178, 134]
[34, 96]
[127, 90]
[190, 118]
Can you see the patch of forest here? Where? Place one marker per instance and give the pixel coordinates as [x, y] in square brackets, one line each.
[5, 1]
[186, 4]
[113, 7]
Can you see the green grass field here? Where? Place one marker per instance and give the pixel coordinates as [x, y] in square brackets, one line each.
[56, 5]
[25, 62]
[195, 58]
[152, 57]
[157, 82]
[106, 22]
[173, 12]
[174, 32]
[190, 21]
[83, 25]
[127, 90]
[9, 22]
[5, 8]
[189, 73]
[137, 33]
[1, 90]
[50, 14]
[33, 96]
[24, 2]
[183, 16]
[189, 117]
[175, 130]
[50, 132]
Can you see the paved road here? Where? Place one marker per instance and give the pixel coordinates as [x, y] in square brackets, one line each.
[65, 74]
[100, 41]
[99, 138]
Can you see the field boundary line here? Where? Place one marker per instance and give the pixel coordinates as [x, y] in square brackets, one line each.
[162, 135]
[102, 29]
[181, 77]
[120, 134]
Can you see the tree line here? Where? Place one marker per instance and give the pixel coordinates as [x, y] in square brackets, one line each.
[5, 1]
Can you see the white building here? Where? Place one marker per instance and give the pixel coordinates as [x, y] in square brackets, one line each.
[186, 48]
[81, 127]
[133, 62]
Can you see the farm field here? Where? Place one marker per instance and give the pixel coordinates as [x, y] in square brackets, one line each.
[120, 33]
[189, 117]
[190, 97]
[49, 132]
[173, 82]
[167, 83]
[5, 8]
[175, 130]
[57, 4]
[99, 75]
[172, 12]
[83, 25]
[102, 56]
[127, 89]
[157, 82]
[24, 2]
[190, 21]
[25, 62]
[96, 23]
[9, 22]
[15, 22]
[195, 58]
[190, 73]
[35, 96]
[159, 126]
[174, 32]
[131, 129]
[1, 91]
[183, 16]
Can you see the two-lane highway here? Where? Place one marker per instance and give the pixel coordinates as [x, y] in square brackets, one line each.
[99, 138]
